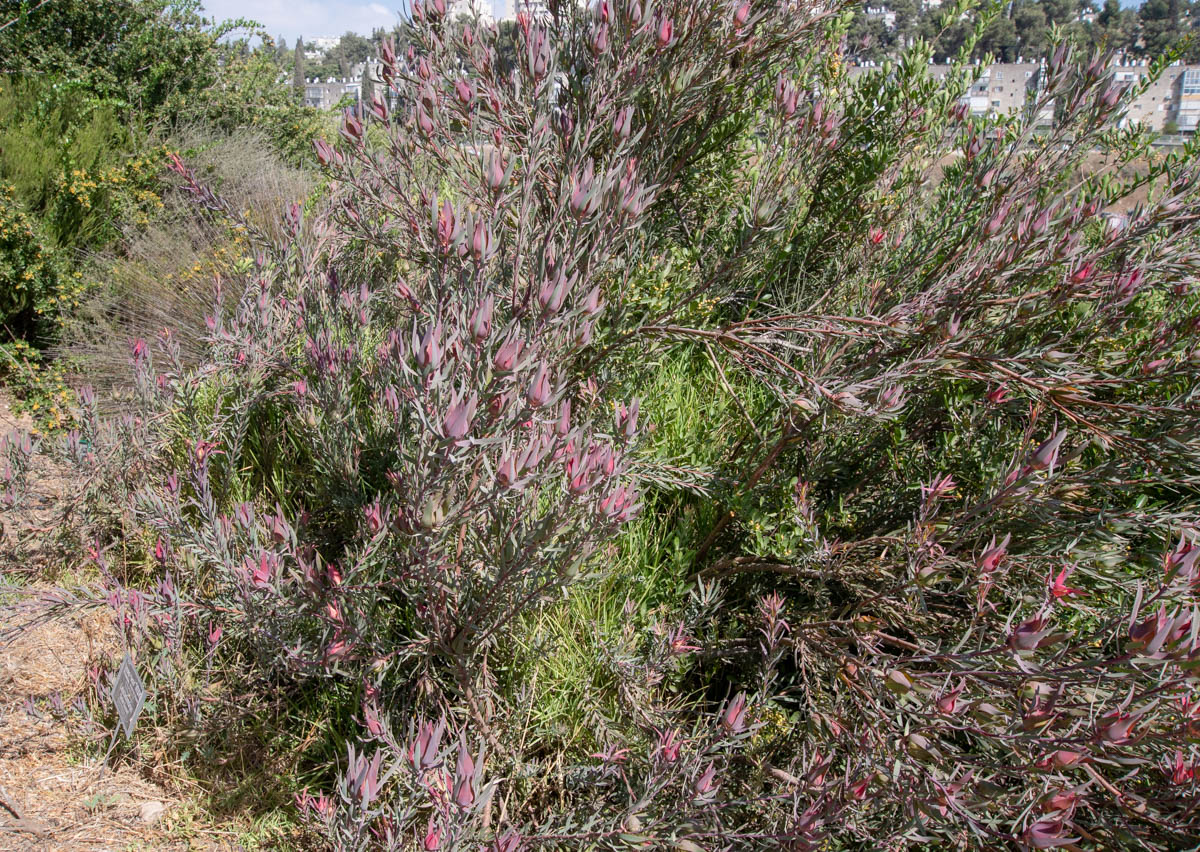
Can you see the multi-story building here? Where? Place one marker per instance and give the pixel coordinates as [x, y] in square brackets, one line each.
[1187, 112]
[1170, 103]
[455, 8]
[317, 47]
[325, 94]
[1002, 89]
[999, 89]
[884, 14]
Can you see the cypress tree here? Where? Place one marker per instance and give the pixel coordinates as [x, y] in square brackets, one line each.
[298, 70]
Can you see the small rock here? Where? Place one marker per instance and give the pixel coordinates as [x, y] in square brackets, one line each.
[151, 812]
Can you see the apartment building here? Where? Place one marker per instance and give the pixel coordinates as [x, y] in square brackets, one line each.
[455, 8]
[325, 94]
[1170, 104]
[1187, 113]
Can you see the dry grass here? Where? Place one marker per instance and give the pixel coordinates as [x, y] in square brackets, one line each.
[164, 275]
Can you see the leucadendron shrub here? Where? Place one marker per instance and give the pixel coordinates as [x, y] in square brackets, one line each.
[943, 593]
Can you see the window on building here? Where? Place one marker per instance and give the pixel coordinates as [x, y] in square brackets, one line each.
[1191, 82]
[995, 103]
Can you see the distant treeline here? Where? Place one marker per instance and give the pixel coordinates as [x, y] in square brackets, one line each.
[1023, 28]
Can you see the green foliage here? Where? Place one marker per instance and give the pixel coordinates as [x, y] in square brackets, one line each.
[144, 56]
[28, 268]
[1024, 29]
[91, 90]
[897, 374]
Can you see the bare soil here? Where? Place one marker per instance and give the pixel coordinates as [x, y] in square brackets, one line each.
[54, 793]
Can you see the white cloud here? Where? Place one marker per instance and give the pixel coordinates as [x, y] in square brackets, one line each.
[310, 18]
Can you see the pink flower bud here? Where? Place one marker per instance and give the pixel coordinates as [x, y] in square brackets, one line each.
[496, 175]
[481, 319]
[506, 356]
[1029, 634]
[324, 151]
[787, 98]
[592, 304]
[539, 390]
[669, 745]
[706, 784]
[1041, 222]
[563, 426]
[1047, 454]
[1048, 834]
[600, 40]
[537, 53]
[741, 14]
[994, 224]
[447, 226]
[627, 419]
[892, 398]
[1082, 274]
[623, 122]
[464, 785]
[424, 121]
[666, 33]
[423, 752]
[993, 555]
[733, 719]
[352, 127]
[482, 242]
[1179, 773]
[1116, 728]
[427, 351]
[459, 415]
[584, 200]
[464, 91]
[379, 107]
[947, 704]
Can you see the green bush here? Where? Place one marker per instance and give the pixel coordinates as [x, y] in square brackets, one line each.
[29, 269]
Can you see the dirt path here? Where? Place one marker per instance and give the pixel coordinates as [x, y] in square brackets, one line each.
[54, 795]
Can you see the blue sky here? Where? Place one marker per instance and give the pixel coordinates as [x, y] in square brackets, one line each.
[309, 18]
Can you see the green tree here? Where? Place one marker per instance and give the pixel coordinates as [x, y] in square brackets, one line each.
[353, 48]
[146, 55]
[1000, 39]
[1116, 28]
[1029, 19]
[1163, 24]
[298, 70]
[367, 87]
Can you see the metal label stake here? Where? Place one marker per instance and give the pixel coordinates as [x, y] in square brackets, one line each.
[128, 694]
